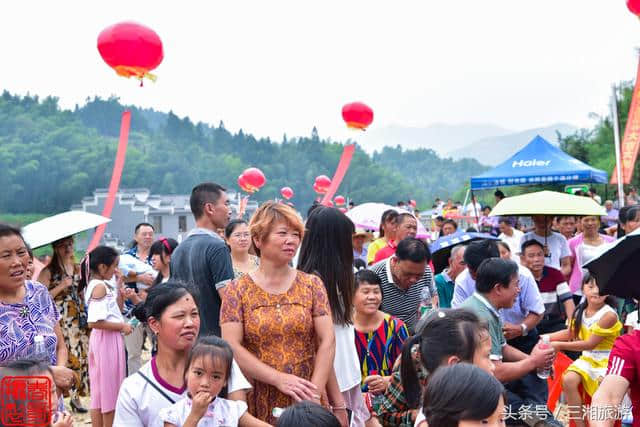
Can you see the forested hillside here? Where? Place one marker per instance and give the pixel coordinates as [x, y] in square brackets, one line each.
[51, 158]
[595, 146]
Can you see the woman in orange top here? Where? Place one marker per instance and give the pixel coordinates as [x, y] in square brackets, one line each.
[277, 319]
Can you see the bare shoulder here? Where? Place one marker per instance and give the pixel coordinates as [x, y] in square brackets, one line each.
[100, 291]
[608, 320]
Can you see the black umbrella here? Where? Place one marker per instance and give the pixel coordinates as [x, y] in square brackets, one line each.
[616, 269]
[441, 248]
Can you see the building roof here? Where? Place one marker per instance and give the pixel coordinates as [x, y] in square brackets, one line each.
[141, 198]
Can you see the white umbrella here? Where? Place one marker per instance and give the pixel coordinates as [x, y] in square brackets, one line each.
[547, 203]
[59, 226]
[368, 215]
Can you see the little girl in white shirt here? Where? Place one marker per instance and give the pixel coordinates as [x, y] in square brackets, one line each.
[208, 372]
[107, 366]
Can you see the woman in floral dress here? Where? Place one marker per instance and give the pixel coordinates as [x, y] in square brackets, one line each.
[27, 311]
[277, 319]
[61, 276]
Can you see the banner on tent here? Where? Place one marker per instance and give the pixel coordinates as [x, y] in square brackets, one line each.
[631, 141]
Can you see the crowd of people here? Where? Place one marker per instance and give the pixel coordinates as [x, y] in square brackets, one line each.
[280, 321]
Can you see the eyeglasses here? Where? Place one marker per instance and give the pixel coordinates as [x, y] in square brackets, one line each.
[245, 235]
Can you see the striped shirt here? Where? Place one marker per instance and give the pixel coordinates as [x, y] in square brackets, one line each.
[404, 303]
[554, 291]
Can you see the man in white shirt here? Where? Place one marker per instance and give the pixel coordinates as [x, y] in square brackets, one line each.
[474, 208]
[556, 248]
[511, 236]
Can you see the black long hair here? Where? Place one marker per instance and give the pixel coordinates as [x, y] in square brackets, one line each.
[327, 251]
[444, 333]
[460, 392]
[56, 264]
[100, 255]
[577, 313]
[163, 246]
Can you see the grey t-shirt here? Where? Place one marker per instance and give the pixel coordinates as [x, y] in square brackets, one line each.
[204, 261]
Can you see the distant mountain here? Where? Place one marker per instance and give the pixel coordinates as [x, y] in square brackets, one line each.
[439, 137]
[495, 149]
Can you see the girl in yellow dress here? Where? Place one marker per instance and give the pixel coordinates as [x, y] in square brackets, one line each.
[593, 329]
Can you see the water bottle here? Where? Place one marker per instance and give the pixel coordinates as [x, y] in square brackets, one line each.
[40, 352]
[425, 302]
[543, 373]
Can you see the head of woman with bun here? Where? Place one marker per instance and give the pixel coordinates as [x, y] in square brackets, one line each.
[171, 311]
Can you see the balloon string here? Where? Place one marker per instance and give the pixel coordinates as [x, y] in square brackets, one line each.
[343, 165]
[116, 174]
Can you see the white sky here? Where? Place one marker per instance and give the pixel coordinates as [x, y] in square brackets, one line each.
[271, 67]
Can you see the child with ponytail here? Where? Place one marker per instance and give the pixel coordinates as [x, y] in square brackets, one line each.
[593, 329]
[107, 365]
[442, 338]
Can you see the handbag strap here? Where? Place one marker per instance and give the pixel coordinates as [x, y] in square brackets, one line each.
[166, 396]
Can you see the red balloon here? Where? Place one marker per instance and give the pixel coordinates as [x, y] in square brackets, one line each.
[286, 192]
[339, 200]
[322, 183]
[254, 177]
[131, 49]
[244, 185]
[634, 6]
[412, 203]
[357, 115]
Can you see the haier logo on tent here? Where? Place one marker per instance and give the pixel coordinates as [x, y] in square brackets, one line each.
[529, 163]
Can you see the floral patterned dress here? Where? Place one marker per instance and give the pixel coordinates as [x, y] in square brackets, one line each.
[278, 330]
[21, 322]
[76, 338]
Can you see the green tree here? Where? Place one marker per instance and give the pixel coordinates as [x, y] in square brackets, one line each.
[51, 158]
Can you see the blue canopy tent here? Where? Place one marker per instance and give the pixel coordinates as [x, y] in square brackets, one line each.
[539, 162]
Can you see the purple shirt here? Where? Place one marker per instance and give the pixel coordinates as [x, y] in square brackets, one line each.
[20, 323]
